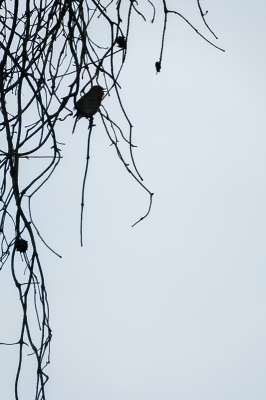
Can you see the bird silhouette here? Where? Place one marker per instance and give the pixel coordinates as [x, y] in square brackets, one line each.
[89, 104]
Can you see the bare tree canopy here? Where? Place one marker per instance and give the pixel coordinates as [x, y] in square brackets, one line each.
[51, 55]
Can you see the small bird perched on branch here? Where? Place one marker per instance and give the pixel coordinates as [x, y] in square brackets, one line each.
[89, 104]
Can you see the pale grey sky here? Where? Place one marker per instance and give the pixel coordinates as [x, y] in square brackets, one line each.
[173, 308]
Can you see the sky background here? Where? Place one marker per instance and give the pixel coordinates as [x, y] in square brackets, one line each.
[173, 308]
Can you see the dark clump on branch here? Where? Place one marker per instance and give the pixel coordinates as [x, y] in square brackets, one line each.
[158, 66]
[121, 42]
[21, 245]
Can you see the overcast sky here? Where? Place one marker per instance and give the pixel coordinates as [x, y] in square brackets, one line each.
[173, 308]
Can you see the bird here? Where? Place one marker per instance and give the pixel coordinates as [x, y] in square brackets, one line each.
[89, 104]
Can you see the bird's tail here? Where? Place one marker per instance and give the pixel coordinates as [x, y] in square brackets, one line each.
[75, 123]
[78, 116]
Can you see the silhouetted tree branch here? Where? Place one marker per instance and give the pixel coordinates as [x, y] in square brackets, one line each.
[50, 55]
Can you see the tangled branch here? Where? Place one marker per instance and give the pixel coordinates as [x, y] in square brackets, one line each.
[49, 57]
